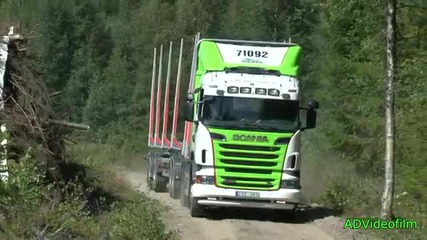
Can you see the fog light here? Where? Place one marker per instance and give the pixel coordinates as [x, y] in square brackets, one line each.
[201, 179]
[245, 90]
[273, 92]
[290, 184]
[286, 96]
[232, 89]
[220, 92]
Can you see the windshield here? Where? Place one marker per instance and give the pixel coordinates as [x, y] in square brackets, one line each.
[251, 113]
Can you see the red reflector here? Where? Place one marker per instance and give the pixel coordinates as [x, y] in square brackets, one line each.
[198, 179]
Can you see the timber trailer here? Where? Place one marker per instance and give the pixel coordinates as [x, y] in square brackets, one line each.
[241, 145]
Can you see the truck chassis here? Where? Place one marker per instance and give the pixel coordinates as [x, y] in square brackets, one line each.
[171, 167]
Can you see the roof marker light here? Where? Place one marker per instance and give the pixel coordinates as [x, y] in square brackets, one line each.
[245, 90]
[260, 91]
[273, 92]
[232, 89]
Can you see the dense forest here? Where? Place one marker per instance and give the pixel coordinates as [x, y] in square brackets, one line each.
[99, 53]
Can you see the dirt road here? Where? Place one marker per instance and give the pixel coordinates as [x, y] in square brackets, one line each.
[232, 224]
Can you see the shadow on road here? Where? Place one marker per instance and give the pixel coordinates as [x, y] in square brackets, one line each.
[303, 214]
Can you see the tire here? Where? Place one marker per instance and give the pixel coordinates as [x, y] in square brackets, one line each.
[185, 180]
[171, 178]
[196, 210]
[174, 184]
[159, 183]
[149, 171]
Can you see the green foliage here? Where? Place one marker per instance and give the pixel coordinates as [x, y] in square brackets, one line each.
[25, 186]
[99, 53]
[31, 206]
[135, 215]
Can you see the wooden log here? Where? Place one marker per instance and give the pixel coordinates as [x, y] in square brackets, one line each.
[69, 124]
[55, 94]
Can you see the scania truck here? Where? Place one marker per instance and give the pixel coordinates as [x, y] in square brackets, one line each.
[241, 145]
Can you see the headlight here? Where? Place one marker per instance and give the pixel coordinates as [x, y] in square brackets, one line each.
[286, 96]
[205, 179]
[290, 184]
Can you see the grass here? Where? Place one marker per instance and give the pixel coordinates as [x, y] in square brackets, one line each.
[108, 155]
[97, 205]
[332, 181]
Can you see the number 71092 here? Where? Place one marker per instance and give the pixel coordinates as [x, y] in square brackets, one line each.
[250, 53]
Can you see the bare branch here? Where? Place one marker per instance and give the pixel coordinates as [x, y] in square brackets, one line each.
[22, 110]
[71, 140]
[401, 5]
[55, 94]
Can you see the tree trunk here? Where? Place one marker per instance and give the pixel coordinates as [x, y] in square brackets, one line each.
[387, 199]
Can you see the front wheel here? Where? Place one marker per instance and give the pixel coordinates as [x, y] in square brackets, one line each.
[196, 210]
[159, 183]
[185, 185]
[149, 170]
[174, 183]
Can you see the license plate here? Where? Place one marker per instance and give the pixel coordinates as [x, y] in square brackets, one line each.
[247, 194]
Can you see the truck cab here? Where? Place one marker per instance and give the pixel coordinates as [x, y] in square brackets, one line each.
[246, 119]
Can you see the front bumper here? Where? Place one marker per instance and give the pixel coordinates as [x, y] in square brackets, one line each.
[210, 195]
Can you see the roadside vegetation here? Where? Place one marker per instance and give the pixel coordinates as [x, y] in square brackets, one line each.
[98, 53]
[96, 204]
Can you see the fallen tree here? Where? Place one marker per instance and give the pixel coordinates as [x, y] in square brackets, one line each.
[25, 112]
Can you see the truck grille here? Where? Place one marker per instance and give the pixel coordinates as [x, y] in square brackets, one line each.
[254, 167]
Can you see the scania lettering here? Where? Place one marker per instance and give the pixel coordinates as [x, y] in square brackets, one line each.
[241, 144]
[249, 138]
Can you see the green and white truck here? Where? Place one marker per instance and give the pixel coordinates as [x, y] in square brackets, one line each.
[243, 127]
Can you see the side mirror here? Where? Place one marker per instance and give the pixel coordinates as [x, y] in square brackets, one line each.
[188, 111]
[311, 119]
[313, 104]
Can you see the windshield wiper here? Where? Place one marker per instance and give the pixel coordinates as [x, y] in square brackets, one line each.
[257, 125]
[244, 123]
